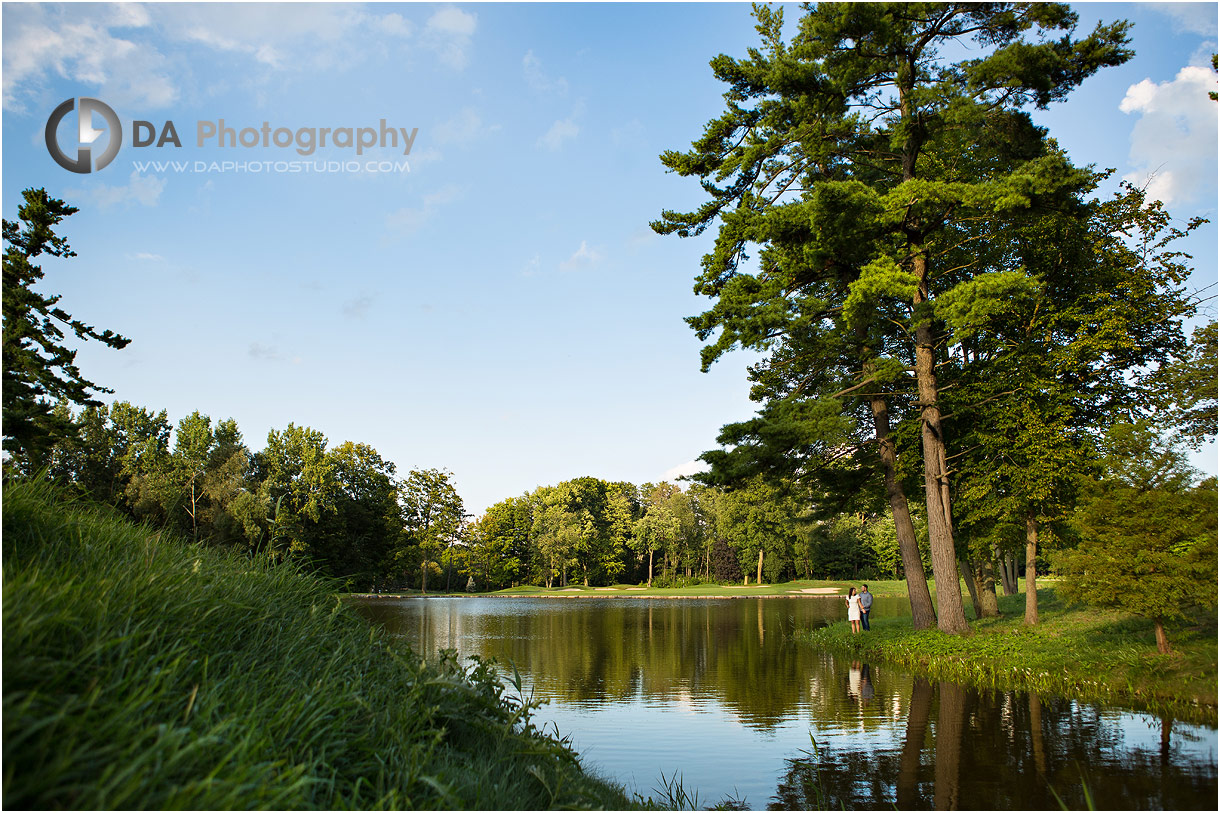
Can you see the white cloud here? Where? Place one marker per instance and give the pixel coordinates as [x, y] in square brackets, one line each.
[448, 33]
[81, 44]
[147, 257]
[685, 470]
[142, 189]
[583, 257]
[1173, 144]
[108, 47]
[538, 80]
[560, 132]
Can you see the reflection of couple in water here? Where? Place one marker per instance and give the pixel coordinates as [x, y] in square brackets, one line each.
[858, 607]
[859, 682]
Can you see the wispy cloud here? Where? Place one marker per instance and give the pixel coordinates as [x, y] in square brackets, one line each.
[262, 352]
[449, 33]
[127, 52]
[359, 307]
[583, 257]
[538, 80]
[463, 128]
[410, 219]
[143, 189]
[92, 45]
[1195, 18]
[561, 131]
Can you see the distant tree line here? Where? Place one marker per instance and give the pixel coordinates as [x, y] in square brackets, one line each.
[343, 510]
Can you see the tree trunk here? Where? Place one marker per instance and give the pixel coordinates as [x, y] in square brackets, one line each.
[760, 558]
[423, 586]
[984, 576]
[923, 615]
[1031, 571]
[1008, 570]
[1162, 640]
[650, 568]
[951, 615]
[967, 568]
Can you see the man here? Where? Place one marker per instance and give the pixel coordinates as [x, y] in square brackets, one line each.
[866, 604]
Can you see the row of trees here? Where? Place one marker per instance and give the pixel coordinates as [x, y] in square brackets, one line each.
[594, 532]
[941, 302]
[343, 510]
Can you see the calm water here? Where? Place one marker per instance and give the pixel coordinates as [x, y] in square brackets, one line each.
[716, 692]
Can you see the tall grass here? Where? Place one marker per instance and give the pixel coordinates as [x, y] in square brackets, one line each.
[143, 672]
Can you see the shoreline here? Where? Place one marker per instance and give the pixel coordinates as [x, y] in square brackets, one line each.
[1086, 655]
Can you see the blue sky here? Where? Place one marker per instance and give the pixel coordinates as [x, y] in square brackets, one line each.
[501, 309]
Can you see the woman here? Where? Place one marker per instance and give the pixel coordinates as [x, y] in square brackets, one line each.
[853, 610]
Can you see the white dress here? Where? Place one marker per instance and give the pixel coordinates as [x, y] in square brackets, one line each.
[853, 608]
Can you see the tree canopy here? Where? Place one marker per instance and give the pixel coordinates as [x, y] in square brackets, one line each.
[856, 177]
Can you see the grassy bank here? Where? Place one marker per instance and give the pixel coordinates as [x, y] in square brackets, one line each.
[784, 589]
[1083, 652]
[143, 672]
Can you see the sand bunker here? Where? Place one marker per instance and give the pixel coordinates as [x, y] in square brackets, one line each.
[818, 591]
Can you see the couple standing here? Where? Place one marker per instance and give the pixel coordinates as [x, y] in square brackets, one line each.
[858, 607]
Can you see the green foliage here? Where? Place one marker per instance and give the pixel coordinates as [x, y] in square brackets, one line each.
[432, 513]
[39, 370]
[1186, 388]
[141, 672]
[1147, 537]
[868, 172]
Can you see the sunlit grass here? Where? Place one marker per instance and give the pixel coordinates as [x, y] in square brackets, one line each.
[144, 672]
[1081, 651]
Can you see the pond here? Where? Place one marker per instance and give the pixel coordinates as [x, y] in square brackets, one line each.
[718, 694]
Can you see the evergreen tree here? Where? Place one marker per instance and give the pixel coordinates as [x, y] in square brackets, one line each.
[857, 157]
[39, 371]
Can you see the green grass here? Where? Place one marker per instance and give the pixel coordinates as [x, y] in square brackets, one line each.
[143, 672]
[1085, 652]
[785, 589]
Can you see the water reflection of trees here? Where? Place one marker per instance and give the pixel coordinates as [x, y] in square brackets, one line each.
[913, 743]
[968, 749]
[739, 653]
